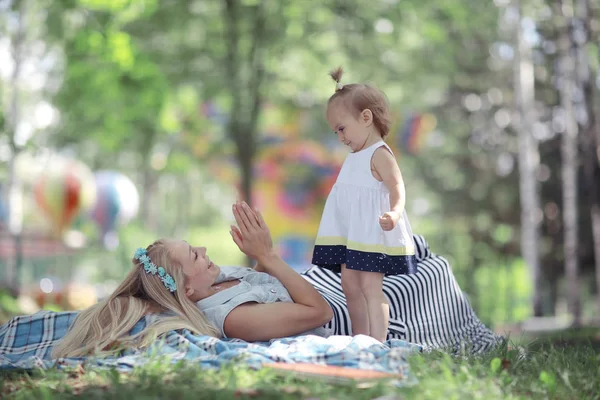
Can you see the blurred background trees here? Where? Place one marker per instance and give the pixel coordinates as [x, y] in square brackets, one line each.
[125, 120]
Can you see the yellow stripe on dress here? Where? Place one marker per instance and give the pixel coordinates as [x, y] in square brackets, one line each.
[371, 248]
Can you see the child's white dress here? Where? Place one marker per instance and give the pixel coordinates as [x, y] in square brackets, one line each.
[350, 233]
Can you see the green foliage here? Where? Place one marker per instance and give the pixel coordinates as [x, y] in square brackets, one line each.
[9, 307]
[507, 291]
[111, 94]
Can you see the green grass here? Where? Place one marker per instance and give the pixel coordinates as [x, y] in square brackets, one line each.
[547, 371]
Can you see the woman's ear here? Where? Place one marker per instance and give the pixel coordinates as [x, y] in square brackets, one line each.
[189, 292]
[366, 117]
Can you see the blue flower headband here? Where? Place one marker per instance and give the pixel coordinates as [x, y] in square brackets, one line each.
[150, 268]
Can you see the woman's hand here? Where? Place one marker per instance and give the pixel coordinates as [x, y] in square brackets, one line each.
[268, 321]
[252, 235]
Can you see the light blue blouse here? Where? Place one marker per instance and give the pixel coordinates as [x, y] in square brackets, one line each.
[254, 286]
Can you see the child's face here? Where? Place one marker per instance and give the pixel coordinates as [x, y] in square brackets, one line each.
[351, 130]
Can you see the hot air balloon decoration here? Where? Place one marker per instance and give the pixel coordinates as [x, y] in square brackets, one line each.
[293, 179]
[117, 201]
[63, 190]
[414, 131]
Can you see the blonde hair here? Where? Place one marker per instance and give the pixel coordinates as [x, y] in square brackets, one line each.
[357, 97]
[105, 326]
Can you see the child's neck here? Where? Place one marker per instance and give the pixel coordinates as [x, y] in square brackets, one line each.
[370, 140]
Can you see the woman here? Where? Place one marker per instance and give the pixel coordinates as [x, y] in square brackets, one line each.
[188, 291]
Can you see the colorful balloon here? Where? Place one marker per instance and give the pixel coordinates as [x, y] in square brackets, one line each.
[117, 200]
[63, 190]
[412, 134]
[292, 181]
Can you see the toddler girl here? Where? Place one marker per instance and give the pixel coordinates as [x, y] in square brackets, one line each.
[364, 232]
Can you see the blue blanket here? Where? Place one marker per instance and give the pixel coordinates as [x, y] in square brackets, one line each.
[26, 343]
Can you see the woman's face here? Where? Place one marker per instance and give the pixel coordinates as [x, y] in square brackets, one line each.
[199, 270]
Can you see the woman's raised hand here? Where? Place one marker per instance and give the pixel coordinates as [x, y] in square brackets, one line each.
[252, 234]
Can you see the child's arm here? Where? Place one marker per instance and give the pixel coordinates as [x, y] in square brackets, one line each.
[387, 168]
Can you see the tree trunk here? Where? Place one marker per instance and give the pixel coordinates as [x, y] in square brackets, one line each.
[591, 141]
[552, 293]
[14, 190]
[528, 160]
[15, 225]
[596, 234]
[246, 161]
[569, 153]
[245, 93]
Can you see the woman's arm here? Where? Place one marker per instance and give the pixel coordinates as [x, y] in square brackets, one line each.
[253, 322]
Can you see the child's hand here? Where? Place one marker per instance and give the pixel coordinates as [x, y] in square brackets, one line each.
[389, 220]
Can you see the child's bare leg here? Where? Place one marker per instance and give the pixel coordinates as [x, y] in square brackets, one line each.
[377, 305]
[357, 304]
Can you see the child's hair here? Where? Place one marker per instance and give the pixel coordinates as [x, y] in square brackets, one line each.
[358, 97]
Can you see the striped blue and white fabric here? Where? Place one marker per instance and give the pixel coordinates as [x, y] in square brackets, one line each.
[427, 308]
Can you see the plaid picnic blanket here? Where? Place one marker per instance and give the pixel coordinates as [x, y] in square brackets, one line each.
[26, 343]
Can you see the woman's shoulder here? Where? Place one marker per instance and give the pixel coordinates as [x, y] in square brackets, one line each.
[248, 274]
[233, 272]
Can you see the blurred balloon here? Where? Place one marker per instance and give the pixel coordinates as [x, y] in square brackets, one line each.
[292, 181]
[117, 201]
[64, 189]
[413, 132]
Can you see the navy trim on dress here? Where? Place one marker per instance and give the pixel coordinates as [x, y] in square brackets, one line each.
[332, 258]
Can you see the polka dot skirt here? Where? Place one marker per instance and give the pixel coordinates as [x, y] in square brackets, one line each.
[332, 258]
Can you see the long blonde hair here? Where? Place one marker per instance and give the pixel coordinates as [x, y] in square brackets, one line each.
[106, 325]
